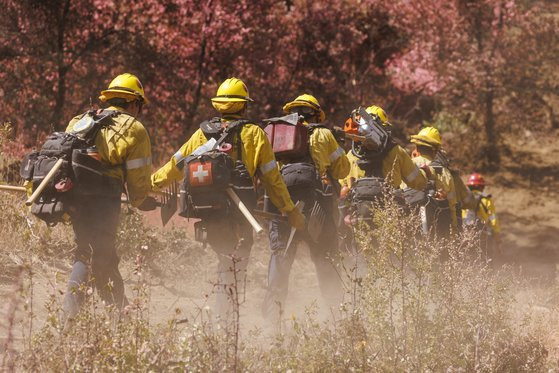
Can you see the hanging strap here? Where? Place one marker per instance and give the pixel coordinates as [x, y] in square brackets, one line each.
[229, 130]
[99, 121]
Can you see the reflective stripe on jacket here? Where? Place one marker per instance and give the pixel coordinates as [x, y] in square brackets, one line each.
[257, 155]
[125, 147]
[397, 167]
[327, 154]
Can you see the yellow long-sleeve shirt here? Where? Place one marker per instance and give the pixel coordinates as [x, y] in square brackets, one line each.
[443, 181]
[327, 154]
[124, 146]
[485, 212]
[256, 154]
[397, 167]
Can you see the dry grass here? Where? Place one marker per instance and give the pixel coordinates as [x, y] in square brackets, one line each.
[420, 305]
[413, 311]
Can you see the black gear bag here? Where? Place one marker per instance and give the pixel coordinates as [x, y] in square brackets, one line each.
[435, 213]
[209, 174]
[81, 173]
[366, 193]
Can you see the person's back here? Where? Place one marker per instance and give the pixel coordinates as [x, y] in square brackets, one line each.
[303, 173]
[484, 210]
[428, 143]
[227, 233]
[123, 147]
[393, 165]
[483, 217]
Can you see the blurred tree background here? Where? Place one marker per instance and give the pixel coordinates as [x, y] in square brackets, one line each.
[477, 69]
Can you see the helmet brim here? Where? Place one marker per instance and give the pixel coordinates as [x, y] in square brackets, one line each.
[107, 94]
[425, 141]
[290, 105]
[232, 99]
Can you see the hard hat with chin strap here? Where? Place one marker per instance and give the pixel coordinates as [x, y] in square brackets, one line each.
[126, 86]
[232, 90]
[306, 100]
[428, 136]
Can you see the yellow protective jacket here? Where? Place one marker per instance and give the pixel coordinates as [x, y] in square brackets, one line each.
[327, 155]
[443, 181]
[463, 194]
[485, 212]
[397, 167]
[124, 146]
[257, 156]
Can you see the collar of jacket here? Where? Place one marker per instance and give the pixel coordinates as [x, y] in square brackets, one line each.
[118, 108]
[230, 117]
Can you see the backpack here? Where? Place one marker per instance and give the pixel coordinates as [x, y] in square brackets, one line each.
[435, 213]
[210, 170]
[81, 173]
[365, 193]
[471, 218]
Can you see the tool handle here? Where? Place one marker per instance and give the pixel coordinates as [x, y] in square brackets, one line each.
[12, 188]
[125, 201]
[44, 183]
[269, 215]
[244, 210]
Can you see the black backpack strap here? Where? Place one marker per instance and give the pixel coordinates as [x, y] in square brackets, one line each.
[232, 127]
[312, 126]
[212, 128]
[99, 121]
[372, 162]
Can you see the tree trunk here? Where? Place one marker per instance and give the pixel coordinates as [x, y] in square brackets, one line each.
[201, 71]
[491, 151]
[58, 112]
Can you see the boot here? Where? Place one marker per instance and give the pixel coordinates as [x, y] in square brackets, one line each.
[73, 298]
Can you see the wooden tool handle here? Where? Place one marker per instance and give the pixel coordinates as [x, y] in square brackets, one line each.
[269, 215]
[13, 188]
[44, 183]
[244, 210]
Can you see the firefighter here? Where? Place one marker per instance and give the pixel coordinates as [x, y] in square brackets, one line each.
[395, 165]
[483, 216]
[427, 144]
[303, 175]
[124, 147]
[464, 196]
[230, 236]
[371, 170]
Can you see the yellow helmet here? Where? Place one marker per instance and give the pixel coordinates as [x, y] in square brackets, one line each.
[428, 136]
[306, 100]
[377, 110]
[126, 86]
[232, 90]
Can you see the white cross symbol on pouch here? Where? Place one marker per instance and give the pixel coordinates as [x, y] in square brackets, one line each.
[200, 174]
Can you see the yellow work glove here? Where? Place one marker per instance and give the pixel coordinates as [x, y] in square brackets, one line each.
[296, 219]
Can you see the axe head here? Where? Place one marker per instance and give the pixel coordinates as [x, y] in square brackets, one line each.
[169, 202]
